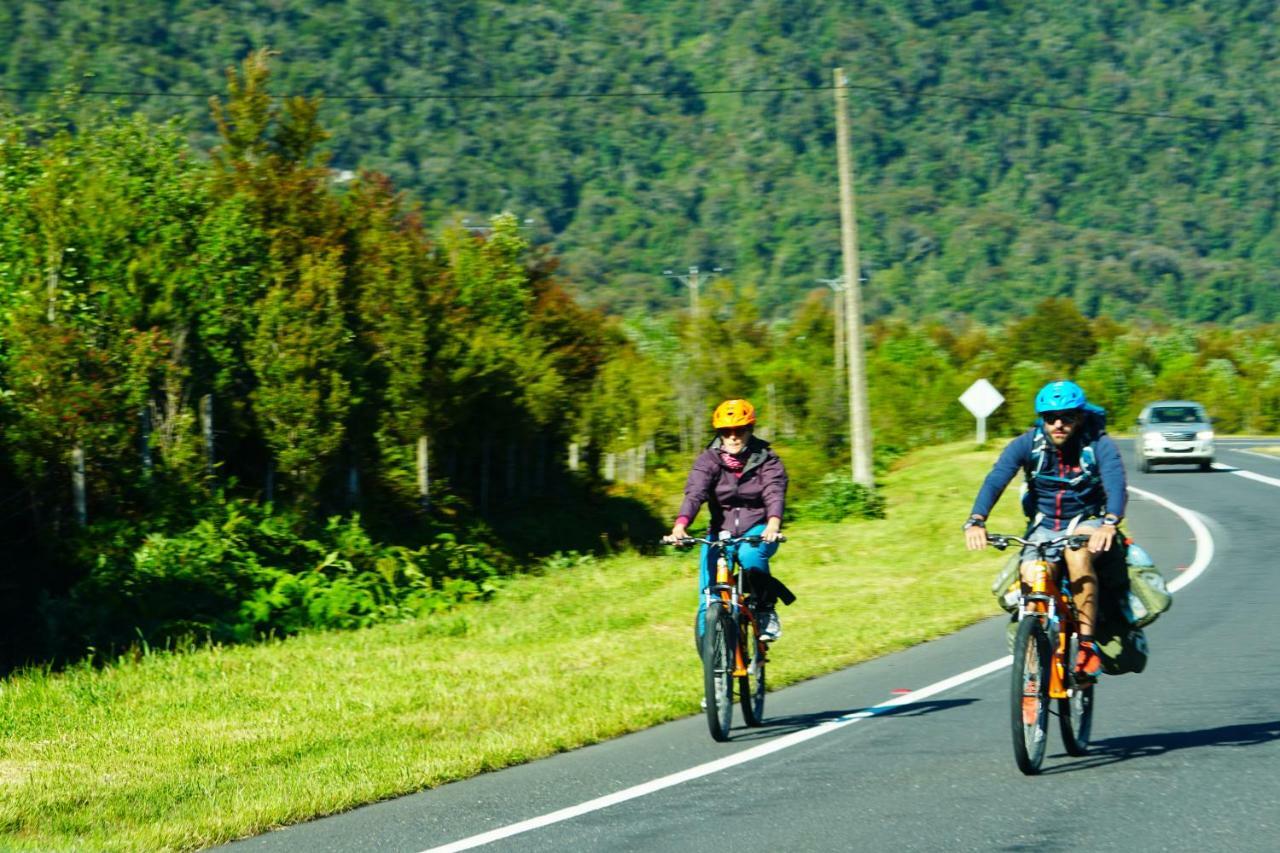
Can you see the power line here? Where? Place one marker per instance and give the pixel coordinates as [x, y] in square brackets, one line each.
[680, 93]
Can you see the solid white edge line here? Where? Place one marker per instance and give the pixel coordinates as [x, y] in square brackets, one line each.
[746, 755]
[1204, 540]
[1272, 457]
[1204, 554]
[1251, 475]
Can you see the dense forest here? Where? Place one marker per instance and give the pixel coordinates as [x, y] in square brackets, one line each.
[270, 363]
[1120, 153]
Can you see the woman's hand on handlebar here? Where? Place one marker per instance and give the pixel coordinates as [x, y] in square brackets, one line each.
[771, 529]
[677, 535]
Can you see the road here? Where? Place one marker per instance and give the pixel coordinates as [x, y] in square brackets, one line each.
[1186, 756]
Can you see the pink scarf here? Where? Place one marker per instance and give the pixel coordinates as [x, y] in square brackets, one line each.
[732, 462]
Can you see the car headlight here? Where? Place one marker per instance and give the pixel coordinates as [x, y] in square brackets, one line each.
[1152, 436]
[1205, 435]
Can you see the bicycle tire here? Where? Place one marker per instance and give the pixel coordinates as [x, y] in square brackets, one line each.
[1075, 712]
[719, 643]
[1029, 695]
[751, 687]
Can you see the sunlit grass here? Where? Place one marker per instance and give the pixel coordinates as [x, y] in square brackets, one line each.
[184, 751]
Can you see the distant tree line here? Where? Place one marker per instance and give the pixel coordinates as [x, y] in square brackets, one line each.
[1005, 152]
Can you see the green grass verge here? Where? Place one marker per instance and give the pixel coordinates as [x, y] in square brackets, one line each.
[181, 751]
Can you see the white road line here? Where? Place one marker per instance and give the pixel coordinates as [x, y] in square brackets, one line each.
[1248, 475]
[825, 727]
[1204, 540]
[1204, 554]
[1270, 456]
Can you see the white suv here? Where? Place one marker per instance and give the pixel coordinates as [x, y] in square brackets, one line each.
[1175, 431]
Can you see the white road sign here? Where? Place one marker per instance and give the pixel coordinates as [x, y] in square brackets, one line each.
[981, 398]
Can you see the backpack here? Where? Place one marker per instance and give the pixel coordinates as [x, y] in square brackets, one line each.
[1092, 426]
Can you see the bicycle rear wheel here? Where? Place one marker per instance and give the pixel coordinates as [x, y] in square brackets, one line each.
[1075, 712]
[751, 686]
[718, 648]
[1030, 694]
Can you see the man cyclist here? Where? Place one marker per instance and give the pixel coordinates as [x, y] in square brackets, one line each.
[1075, 484]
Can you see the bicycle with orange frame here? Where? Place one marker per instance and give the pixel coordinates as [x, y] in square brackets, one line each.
[732, 650]
[1044, 655]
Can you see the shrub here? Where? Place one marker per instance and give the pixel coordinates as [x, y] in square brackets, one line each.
[838, 498]
[246, 571]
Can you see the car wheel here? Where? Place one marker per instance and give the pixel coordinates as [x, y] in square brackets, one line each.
[1145, 465]
[1206, 465]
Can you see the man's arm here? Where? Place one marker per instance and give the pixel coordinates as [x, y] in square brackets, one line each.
[1114, 481]
[1011, 459]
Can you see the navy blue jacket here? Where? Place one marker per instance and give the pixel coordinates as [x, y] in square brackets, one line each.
[1059, 503]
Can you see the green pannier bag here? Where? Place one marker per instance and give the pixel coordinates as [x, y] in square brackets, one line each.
[1149, 596]
[1121, 651]
[1005, 585]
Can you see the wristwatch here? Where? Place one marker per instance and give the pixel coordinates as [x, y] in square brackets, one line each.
[975, 520]
[1111, 519]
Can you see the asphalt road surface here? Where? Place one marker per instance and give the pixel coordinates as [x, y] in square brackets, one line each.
[1185, 756]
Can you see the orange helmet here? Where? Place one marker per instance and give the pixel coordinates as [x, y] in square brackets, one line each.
[732, 413]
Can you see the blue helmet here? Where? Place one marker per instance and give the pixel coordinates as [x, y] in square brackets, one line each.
[1060, 396]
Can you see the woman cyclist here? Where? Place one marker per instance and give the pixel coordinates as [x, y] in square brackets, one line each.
[744, 485]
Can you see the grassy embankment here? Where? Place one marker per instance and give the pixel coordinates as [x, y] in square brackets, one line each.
[184, 751]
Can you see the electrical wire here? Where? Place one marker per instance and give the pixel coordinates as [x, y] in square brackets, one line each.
[680, 93]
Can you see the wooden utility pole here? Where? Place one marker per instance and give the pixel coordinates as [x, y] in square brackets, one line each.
[859, 419]
[837, 311]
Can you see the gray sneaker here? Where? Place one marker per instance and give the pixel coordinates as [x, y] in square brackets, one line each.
[770, 625]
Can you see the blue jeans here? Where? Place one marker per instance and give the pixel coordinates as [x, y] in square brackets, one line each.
[754, 558]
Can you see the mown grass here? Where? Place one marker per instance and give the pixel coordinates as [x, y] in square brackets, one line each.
[182, 751]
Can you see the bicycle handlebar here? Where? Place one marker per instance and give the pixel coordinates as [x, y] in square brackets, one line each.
[690, 541]
[1075, 542]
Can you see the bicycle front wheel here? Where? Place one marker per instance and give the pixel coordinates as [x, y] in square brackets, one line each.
[1075, 712]
[718, 649]
[1030, 694]
[751, 685]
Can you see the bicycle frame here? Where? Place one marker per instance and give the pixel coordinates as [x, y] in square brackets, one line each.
[1049, 600]
[729, 590]
[1044, 653]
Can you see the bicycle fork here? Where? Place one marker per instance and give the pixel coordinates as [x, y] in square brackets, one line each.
[1042, 603]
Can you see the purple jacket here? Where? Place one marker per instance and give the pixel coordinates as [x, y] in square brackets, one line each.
[736, 503]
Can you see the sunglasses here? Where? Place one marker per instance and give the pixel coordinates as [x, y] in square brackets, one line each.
[1067, 417]
[725, 432]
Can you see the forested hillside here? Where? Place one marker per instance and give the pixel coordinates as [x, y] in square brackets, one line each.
[258, 376]
[1005, 151]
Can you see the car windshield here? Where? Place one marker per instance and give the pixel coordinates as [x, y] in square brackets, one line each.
[1177, 415]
